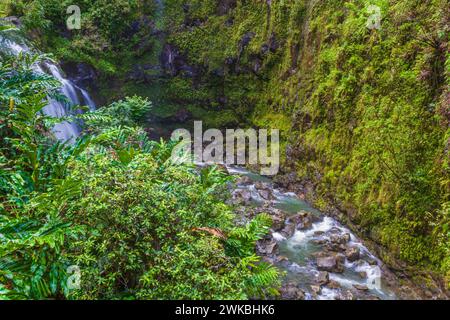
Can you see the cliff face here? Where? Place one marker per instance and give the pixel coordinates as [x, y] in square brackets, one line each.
[360, 91]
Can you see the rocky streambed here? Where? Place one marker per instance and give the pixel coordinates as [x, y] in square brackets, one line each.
[322, 259]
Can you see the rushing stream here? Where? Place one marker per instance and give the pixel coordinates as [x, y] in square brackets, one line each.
[359, 278]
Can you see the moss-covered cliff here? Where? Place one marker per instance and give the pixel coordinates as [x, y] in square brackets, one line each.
[365, 111]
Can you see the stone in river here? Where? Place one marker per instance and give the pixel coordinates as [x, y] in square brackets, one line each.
[361, 287]
[327, 263]
[242, 196]
[333, 284]
[278, 219]
[244, 180]
[291, 292]
[288, 230]
[266, 247]
[323, 277]
[316, 290]
[352, 254]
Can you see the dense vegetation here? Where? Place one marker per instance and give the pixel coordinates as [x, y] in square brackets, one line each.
[112, 204]
[367, 111]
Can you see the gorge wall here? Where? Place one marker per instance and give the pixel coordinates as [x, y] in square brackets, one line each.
[364, 111]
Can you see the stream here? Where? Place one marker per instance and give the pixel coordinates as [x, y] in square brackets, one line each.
[347, 270]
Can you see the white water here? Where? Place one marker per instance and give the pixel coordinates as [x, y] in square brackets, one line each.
[64, 131]
[300, 248]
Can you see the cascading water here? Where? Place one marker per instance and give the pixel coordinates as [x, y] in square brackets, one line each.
[13, 44]
[363, 277]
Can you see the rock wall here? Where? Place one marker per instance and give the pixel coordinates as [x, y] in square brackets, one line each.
[364, 109]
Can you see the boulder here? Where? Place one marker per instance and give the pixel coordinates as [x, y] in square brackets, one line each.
[267, 247]
[290, 291]
[340, 238]
[244, 181]
[288, 230]
[361, 287]
[363, 274]
[242, 196]
[266, 194]
[372, 262]
[316, 290]
[318, 233]
[352, 254]
[264, 190]
[303, 220]
[333, 284]
[327, 263]
[323, 278]
[330, 263]
[278, 219]
[346, 295]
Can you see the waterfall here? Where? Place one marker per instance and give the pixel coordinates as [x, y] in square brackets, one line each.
[64, 131]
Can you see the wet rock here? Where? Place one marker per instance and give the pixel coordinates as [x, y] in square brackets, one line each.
[346, 295]
[316, 290]
[267, 247]
[332, 284]
[363, 274]
[13, 20]
[281, 259]
[347, 237]
[241, 196]
[361, 287]
[290, 291]
[244, 181]
[278, 219]
[352, 254]
[323, 278]
[264, 190]
[330, 263]
[288, 230]
[327, 263]
[82, 74]
[262, 186]
[372, 261]
[303, 220]
[266, 194]
[340, 238]
[340, 258]
[285, 180]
